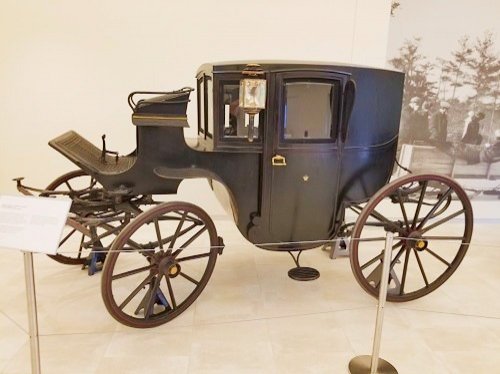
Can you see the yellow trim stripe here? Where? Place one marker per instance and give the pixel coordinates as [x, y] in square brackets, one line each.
[159, 118]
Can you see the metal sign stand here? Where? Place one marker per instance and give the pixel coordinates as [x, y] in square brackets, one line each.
[374, 364]
[32, 224]
[32, 312]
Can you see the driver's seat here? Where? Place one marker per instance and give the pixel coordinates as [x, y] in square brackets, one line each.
[90, 158]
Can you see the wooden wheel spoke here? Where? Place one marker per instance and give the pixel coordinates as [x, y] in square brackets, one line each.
[419, 204]
[181, 233]
[193, 257]
[67, 237]
[189, 241]
[194, 237]
[396, 258]
[110, 230]
[176, 218]
[387, 222]
[421, 267]
[434, 208]
[136, 291]
[80, 248]
[171, 293]
[438, 257]
[372, 261]
[356, 209]
[184, 275]
[379, 256]
[69, 186]
[403, 210]
[132, 272]
[405, 271]
[188, 216]
[376, 273]
[134, 246]
[177, 230]
[156, 244]
[158, 234]
[442, 221]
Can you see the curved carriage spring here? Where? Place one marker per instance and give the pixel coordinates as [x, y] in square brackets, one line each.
[402, 167]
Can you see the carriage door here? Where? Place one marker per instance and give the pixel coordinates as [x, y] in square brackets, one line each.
[304, 162]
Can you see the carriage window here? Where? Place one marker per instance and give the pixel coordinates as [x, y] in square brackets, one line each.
[235, 123]
[210, 106]
[308, 110]
[201, 106]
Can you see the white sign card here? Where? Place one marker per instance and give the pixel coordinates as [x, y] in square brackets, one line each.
[33, 224]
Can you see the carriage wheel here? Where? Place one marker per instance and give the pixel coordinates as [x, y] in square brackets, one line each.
[159, 264]
[431, 217]
[75, 235]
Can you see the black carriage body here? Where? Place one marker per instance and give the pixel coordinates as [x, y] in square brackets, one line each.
[289, 184]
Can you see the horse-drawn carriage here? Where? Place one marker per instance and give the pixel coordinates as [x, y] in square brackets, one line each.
[295, 149]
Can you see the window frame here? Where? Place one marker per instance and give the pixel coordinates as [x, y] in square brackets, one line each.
[199, 98]
[202, 96]
[233, 142]
[207, 102]
[337, 80]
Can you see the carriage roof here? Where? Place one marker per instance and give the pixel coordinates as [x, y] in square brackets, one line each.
[277, 65]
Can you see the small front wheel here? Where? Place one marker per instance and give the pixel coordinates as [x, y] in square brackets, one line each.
[159, 264]
[75, 234]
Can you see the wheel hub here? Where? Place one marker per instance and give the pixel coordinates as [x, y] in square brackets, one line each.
[415, 241]
[169, 267]
[174, 270]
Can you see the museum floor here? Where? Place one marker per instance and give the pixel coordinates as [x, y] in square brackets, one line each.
[252, 318]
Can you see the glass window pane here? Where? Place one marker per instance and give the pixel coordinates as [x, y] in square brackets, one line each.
[210, 106]
[235, 121]
[308, 110]
[201, 105]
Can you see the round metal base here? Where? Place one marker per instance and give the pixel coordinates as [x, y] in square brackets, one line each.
[362, 365]
[303, 273]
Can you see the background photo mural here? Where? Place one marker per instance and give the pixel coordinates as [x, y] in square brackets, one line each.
[451, 106]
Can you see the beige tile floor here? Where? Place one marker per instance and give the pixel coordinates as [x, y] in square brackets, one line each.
[252, 318]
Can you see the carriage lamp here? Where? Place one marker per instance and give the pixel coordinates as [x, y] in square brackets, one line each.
[252, 95]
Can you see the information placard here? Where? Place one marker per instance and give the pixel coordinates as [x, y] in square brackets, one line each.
[32, 224]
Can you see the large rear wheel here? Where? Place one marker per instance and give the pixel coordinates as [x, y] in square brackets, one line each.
[432, 219]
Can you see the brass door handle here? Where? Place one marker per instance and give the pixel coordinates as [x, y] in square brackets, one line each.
[278, 160]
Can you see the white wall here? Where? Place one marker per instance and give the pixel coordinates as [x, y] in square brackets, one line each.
[70, 65]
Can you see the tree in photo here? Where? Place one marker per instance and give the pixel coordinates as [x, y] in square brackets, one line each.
[484, 77]
[485, 68]
[416, 69]
[455, 67]
[419, 96]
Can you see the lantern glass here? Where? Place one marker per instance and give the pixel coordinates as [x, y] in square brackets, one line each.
[253, 94]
